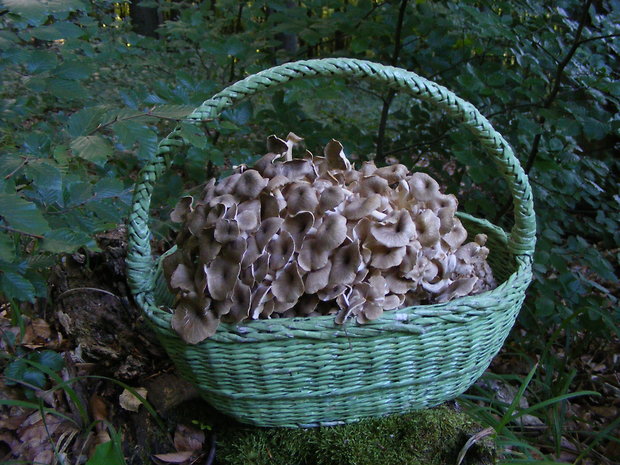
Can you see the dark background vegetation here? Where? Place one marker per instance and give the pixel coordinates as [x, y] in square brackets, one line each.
[88, 88]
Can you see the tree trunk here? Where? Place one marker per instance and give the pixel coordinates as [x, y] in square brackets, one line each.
[144, 20]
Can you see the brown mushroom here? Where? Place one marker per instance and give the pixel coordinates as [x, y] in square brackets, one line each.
[182, 209]
[222, 275]
[397, 234]
[345, 263]
[427, 227]
[288, 285]
[193, 324]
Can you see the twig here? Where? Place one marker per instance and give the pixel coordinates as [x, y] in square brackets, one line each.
[141, 115]
[590, 39]
[387, 102]
[23, 233]
[557, 80]
[91, 289]
[21, 165]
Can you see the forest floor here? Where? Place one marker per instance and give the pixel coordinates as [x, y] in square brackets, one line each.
[109, 355]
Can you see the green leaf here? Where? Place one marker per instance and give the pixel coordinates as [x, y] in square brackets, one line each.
[92, 148]
[47, 180]
[193, 135]
[84, 121]
[64, 240]
[241, 114]
[22, 215]
[9, 163]
[73, 70]
[34, 377]
[40, 61]
[67, 89]
[132, 132]
[7, 247]
[48, 358]
[59, 30]
[109, 188]
[15, 286]
[172, 111]
[106, 454]
[37, 11]
[15, 370]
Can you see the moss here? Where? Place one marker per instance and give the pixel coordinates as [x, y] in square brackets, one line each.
[429, 437]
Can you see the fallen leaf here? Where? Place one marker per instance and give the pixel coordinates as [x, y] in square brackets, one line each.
[188, 438]
[175, 457]
[130, 402]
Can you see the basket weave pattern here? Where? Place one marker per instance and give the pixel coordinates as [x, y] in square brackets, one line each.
[310, 371]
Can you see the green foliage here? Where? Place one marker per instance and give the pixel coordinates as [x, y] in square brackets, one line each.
[24, 371]
[85, 100]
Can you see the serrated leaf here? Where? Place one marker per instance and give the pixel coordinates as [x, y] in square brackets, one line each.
[241, 114]
[7, 247]
[193, 135]
[64, 240]
[85, 120]
[73, 70]
[9, 163]
[172, 111]
[34, 377]
[22, 215]
[40, 61]
[48, 358]
[58, 30]
[108, 188]
[66, 89]
[15, 371]
[92, 148]
[15, 286]
[37, 11]
[107, 211]
[47, 181]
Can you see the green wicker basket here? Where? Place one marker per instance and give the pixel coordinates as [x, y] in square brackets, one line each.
[300, 372]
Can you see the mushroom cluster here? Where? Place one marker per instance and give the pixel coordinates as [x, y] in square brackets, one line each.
[313, 236]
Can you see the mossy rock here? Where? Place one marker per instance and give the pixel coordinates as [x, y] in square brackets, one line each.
[428, 437]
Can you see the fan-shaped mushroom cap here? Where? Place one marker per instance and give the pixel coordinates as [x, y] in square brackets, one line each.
[393, 173]
[422, 186]
[209, 191]
[170, 263]
[331, 292]
[332, 231]
[277, 182]
[384, 257]
[398, 285]
[222, 275]
[182, 209]
[221, 307]
[446, 219]
[468, 253]
[192, 324]
[288, 285]
[396, 234]
[481, 239]
[265, 165]
[441, 201]
[241, 298]
[368, 168]
[458, 288]
[234, 250]
[313, 255]
[182, 280]
[260, 268]
[226, 231]
[361, 207]
[345, 263]
[259, 297]
[226, 200]
[267, 229]
[430, 273]
[297, 169]
[276, 145]
[300, 196]
[197, 220]
[335, 156]
[427, 227]
[227, 185]
[280, 250]
[298, 226]
[250, 184]
[307, 304]
[436, 287]
[316, 280]
[370, 185]
[248, 215]
[331, 197]
[251, 253]
[392, 301]
[456, 236]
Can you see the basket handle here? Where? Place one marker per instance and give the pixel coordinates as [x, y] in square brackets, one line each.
[140, 264]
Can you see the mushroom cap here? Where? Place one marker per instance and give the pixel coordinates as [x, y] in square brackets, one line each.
[267, 230]
[182, 209]
[250, 184]
[345, 263]
[370, 185]
[280, 250]
[226, 231]
[332, 232]
[427, 226]
[331, 197]
[193, 324]
[456, 236]
[222, 275]
[361, 207]
[288, 285]
[385, 257]
[298, 226]
[300, 196]
[336, 159]
[313, 255]
[397, 234]
[241, 298]
[316, 280]
[276, 145]
[393, 173]
[422, 186]
[227, 184]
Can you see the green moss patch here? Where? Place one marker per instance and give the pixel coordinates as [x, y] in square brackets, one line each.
[428, 437]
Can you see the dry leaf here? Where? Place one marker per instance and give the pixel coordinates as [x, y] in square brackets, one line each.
[175, 457]
[188, 438]
[130, 402]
